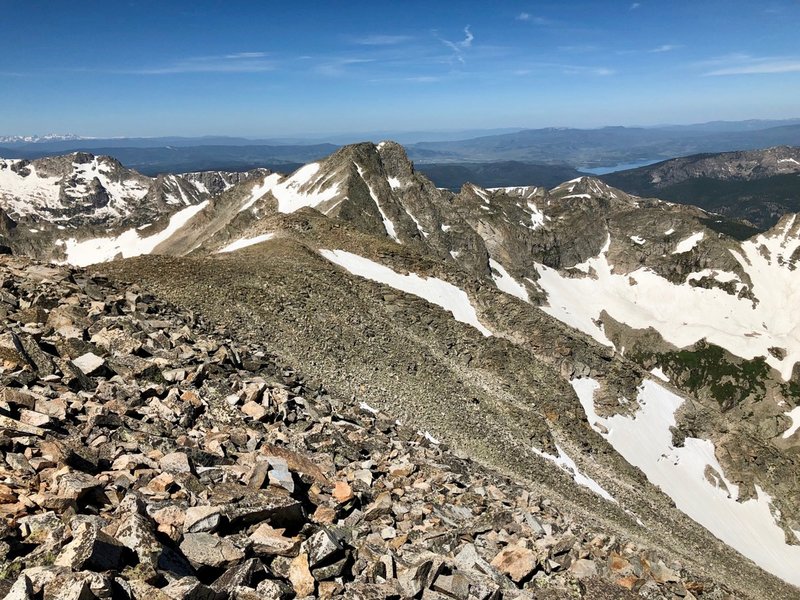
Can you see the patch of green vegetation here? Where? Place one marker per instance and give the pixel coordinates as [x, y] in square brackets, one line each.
[10, 571]
[707, 369]
[791, 390]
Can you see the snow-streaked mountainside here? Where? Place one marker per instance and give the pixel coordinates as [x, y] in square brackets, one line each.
[81, 189]
[597, 287]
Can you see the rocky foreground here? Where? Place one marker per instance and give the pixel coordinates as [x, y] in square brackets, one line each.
[145, 455]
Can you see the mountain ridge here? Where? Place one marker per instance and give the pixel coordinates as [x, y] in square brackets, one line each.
[507, 302]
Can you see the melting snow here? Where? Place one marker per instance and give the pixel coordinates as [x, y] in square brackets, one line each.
[259, 189]
[418, 224]
[693, 477]
[794, 415]
[367, 407]
[394, 183]
[791, 160]
[689, 243]
[584, 196]
[537, 216]
[126, 244]
[435, 291]
[692, 313]
[481, 193]
[565, 463]
[638, 240]
[429, 437]
[722, 276]
[245, 242]
[669, 231]
[291, 198]
[506, 283]
[387, 222]
[658, 372]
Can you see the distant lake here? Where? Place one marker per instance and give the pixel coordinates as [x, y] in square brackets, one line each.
[619, 167]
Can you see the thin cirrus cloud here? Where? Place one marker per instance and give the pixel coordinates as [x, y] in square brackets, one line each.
[529, 18]
[664, 48]
[742, 64]
[381, 40]
[568, 69]
[238, 62]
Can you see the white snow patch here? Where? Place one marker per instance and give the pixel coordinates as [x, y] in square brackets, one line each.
[786, 160]
[721, 276]
[506, 283]
[429, 437]
[435, 291]
[367, 407]
[245, 242]
[418, 224]
[794, 415]
[638, 240]
[455, 253]
[669, 231]
[537, 216]
[743, 328]
[301, 189]
[689, 243]
[395, 183]
[584, 196]
[126, 244]
[259, 189]
[693, 477]
[481, 193]
[565, 463]
[387, 222]
[446, 228]
[658, 372]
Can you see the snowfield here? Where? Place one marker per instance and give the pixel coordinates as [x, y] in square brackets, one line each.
[645, 441]
[126, 244]
[245, 242]
[302, 189]
[692, 313]
[506, 283]
[565, 463]
[436, 291]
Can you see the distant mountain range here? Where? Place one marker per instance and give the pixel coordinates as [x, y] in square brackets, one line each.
[759, 186]
[608, 146]
[577, 148]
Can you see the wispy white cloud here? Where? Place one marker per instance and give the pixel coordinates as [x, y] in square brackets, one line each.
[568, 69]
[578, 48]
[239, 62]
[246, 55]
[665, 48]
[744, 64]
[381, 40]
[339, 66]
[635, 5]
[529, 18]
[459, 47]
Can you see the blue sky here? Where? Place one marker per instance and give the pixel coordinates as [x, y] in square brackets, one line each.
[258, 69]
